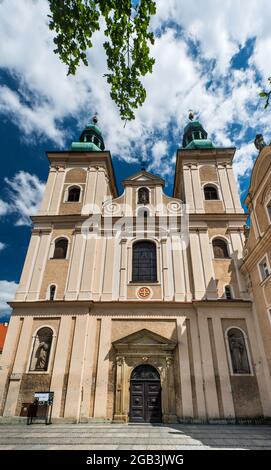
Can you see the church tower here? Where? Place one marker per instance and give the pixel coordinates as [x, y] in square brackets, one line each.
[130, 308]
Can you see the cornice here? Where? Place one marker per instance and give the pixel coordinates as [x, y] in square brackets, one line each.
[149, 304]
[262, 246]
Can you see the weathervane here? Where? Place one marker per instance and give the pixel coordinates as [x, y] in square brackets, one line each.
[95, 118]
[143, 162]
[191, 115]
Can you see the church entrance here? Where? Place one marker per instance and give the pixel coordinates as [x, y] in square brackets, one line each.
[145, 395]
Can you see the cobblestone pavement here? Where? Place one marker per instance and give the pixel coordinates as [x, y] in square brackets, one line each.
[132, 437]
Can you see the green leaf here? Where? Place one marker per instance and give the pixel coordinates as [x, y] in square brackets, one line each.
[127, 48]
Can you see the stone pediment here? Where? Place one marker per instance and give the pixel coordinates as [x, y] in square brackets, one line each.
[144, 339]
[143, 177]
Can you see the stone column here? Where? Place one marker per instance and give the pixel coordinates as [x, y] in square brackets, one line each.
[119, 415]
[28, 266]
[74, 389]
[8, 356]
[109, 273]
[185, 373]
[225, 189]
[90, 190]
[61, 354]
[198, 368]
[101, 392]
[75, 267]
[198, 199]
[170, 417]
[123, 269]
[188, 188]
[208, 367]
[208, 268]
[58, 191]
[234, 191]
[237, 259]
[223, 369]
[165, 269]
[101, 187]
[197, 267]
[49, 190]
[178, 269]
[88, 369]
[19, 366]
[99, 268]
[129, 201]
[87, 280]
[39, 265]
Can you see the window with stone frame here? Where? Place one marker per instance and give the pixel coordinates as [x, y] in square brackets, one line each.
[41, 350]
[220, 248]
[74, 194]
[264, 268]
[52, 292]
[228, 292]
[61, 246]
[144, 268]
[210, 193]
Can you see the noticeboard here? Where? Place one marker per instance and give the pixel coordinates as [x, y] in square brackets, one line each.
[44, 397]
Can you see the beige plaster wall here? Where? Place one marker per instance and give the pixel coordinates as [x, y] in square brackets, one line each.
[214, 207]
[208, 173]
[122, 328]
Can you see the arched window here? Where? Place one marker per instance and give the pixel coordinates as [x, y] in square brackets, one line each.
[41, 350]
[61, 246]
[142, 212]
[74, 194]
[238, 351]
[143, 196]
[52, 292]
[210, 193]
[220, 248]
[228, 293]
[144, 262]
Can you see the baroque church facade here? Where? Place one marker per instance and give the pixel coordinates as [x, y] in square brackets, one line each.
[141, 307]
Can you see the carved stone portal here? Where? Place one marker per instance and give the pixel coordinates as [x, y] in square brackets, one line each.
[144, 347]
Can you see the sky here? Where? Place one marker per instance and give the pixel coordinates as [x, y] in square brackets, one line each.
[211, 57]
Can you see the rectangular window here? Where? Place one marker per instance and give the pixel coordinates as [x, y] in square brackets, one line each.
[269, 314]
[269, 210]
[264, 268]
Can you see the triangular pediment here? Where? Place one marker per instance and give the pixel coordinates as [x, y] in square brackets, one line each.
[144, 177]
[144, 338]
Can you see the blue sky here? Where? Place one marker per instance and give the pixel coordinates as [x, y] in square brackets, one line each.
[209, 59]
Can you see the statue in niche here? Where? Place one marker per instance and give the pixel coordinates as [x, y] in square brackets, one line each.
[42, 355]
[238, 354]
[143, 196]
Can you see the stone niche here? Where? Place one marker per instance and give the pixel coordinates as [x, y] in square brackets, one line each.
[144, 347]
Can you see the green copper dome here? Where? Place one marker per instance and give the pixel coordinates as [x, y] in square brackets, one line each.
[91, 139]
[195, 136]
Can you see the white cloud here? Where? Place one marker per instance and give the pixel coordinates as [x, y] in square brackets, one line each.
[7, 293]
[2, 246]
[45, 95]
[25, 194]
[4, 207]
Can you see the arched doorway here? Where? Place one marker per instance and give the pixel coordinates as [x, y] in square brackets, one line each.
[145, 395]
